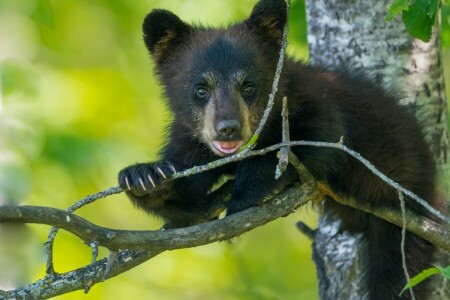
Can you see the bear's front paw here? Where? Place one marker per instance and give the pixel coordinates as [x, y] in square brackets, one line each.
[144, 178]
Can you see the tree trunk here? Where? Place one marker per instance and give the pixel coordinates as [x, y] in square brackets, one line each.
[354, 34]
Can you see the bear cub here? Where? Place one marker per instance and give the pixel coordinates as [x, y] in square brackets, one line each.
[217, 82]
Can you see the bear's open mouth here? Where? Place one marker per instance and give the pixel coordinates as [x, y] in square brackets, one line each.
[227, 147]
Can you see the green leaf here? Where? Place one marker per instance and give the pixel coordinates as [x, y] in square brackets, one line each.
[417, 20]
[433, 9]
[396, 8]
[419, 278]
[445, 271]
[425, 274]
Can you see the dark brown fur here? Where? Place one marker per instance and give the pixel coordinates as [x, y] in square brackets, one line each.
[324, 105]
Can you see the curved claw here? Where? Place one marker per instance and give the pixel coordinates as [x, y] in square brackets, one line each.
[142, 184]
[151, 180]
[127, 182]
[161, 172]
[173, 169]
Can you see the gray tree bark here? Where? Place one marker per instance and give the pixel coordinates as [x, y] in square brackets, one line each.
[354, 34]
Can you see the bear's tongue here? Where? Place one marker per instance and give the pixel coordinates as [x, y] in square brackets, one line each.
[227, 147]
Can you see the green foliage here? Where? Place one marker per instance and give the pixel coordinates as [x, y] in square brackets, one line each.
[44, 13]
[419, 16]
[445, 25]
[18, 78]
[396, 8]
[297, 29]
[426, 274]
[445, 271]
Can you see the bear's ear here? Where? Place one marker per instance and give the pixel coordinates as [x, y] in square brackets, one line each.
[163, 31]
[268, 19]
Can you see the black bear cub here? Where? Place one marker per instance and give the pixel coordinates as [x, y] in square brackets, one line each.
[217, 83]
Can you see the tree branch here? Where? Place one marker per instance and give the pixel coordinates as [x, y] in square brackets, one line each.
[219, 230]
[119, 239]
[82, 278]
[77, 205]
[423, 227]
[161, 240]
[155, 242]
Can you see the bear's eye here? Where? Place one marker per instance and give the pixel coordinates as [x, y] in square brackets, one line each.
[249, 90]
[201, 92]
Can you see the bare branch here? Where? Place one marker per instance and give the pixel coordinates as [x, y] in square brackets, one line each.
[58, 284]
[378, 173]
[340, 145]
[402, 243]
[425, 228]
[161, 240]
[158, 241]
[54, 230]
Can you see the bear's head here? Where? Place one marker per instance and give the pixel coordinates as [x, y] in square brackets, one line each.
[217, 81]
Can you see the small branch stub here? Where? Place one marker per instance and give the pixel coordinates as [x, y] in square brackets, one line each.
[284, 151]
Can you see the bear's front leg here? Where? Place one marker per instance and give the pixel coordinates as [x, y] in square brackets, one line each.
[255, 179]
[146, 184]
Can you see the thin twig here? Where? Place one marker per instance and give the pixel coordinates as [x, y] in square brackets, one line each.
[339, 145]
[283, 160]
[91, 198]
[421, 226]
[402, 244]
[94, 247]
[112, 258]
[50, 270]
[376, 172]
[284, 42]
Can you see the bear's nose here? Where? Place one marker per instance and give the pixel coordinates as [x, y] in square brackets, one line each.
[228, 128]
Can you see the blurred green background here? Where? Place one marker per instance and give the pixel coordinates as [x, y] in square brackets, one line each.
[78, 102]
